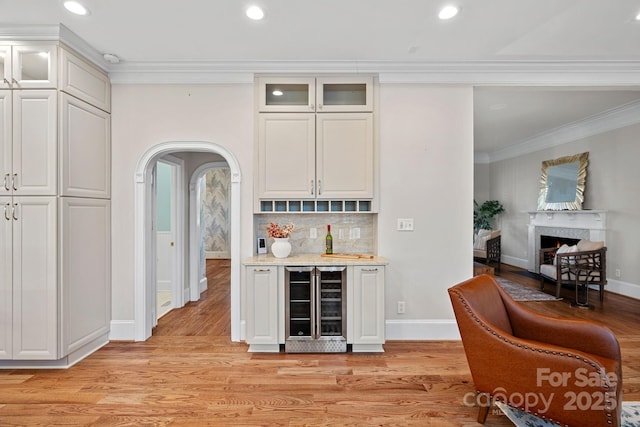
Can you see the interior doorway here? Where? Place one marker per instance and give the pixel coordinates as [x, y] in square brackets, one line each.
[144, 241]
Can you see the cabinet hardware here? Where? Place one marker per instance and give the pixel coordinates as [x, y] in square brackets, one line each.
[319, 187]
[13, 182]
[6, 216]
[319, 106]
[6, 182]
[262, 270]
[312, 188]
[7, 82]
[14, 214]
[369, 270]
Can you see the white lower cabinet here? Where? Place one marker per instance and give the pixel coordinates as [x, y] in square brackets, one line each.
[367, 315]
[263, 309]
[54, 296]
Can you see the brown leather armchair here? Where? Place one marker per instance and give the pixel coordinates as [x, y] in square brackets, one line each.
[563, 370]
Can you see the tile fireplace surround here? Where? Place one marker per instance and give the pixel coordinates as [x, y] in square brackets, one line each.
[583, 224]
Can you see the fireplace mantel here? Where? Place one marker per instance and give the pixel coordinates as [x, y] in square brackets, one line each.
[579, 224]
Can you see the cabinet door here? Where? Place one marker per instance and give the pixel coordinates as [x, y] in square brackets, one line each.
[85, 270]
[345, 155]
[286, 155]
[84, 81]
[85, 149]
[34, 67]
[5, 142]
[286, 94]
[368, 308]
[6, 280]
[5, 67]
[35, 279]
[35, 142]
[262, 308]
[338, 94]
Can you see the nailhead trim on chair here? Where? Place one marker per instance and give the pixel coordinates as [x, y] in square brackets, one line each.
[554, 353]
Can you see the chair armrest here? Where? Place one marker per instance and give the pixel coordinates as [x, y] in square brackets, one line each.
[547, 255]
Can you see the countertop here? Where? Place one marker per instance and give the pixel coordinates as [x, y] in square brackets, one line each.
[312, 259]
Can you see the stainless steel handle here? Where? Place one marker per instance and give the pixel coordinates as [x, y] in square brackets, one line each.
[313, 305]
[262, 270]
[6, 212]
[318, 309]
[7, 82]
[312, 188]
[14, 213]
[6, 182]
[369, 270]
[319, 187]
[13, 181]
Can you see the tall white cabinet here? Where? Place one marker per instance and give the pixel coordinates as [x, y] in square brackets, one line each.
[55, 151]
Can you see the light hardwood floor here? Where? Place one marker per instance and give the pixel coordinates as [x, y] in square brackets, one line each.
[190, 374]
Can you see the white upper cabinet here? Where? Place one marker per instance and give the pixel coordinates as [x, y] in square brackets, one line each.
[84, 81]
[28, 66]
[308, 94]
[344, 94]
[344, 155]
[31, 151]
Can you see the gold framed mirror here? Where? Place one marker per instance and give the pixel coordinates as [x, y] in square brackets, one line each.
[562, 183]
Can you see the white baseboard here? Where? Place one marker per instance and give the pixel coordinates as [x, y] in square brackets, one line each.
[623, 288]
[122, 330]
[422, 329]
[202, 286]
[516, 262]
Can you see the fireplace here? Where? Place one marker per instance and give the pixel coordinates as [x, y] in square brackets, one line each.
[562, 225]
[556, 241]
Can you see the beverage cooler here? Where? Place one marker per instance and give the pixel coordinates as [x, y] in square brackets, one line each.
[315, 301]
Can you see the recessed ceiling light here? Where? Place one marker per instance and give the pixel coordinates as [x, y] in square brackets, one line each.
[255, 13]
[448, 12]
[497, 107]
[76, 8]
[277, 92]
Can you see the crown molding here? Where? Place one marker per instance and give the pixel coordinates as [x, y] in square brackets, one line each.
[53, 33]
[541, 73]
[616, 118]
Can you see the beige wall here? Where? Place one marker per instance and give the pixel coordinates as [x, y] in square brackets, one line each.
[426, 150]
[612, 178]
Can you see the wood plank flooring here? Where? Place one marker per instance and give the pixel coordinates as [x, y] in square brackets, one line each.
[190, 374]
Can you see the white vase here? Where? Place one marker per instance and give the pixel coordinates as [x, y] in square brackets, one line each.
[281, 247]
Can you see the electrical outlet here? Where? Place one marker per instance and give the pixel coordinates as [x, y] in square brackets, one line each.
[354, 233]
[401, 307]
[313, 233]
[618, 272]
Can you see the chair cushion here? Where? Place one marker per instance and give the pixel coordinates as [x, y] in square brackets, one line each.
[480, 241]
[564, 249]
[588, 245]
[548, 270]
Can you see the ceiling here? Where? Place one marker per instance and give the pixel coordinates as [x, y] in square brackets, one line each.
[163, 33]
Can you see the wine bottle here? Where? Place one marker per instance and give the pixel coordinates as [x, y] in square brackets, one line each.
[329, 240]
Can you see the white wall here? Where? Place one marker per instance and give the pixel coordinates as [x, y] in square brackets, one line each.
[426, 139]
[426, 173]
[146, 115]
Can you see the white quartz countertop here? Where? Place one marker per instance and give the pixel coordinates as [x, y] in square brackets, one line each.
[312, 259]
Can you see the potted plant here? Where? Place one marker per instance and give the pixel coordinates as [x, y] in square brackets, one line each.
[483, 214]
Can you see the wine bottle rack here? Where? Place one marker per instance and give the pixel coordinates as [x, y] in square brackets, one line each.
[315, 206]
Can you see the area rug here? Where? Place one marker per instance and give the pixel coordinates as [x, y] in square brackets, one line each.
[523, 293]
[630, 416]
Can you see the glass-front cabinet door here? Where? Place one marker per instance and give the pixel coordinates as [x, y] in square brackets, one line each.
[292, 94]
[344, 94]
[28, 66]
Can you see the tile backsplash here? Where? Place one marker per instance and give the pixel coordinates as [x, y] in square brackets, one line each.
[342, 229]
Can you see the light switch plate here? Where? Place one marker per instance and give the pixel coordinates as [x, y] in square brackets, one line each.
[405, 224]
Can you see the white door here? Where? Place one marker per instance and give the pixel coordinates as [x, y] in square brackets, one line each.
[165, 237]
